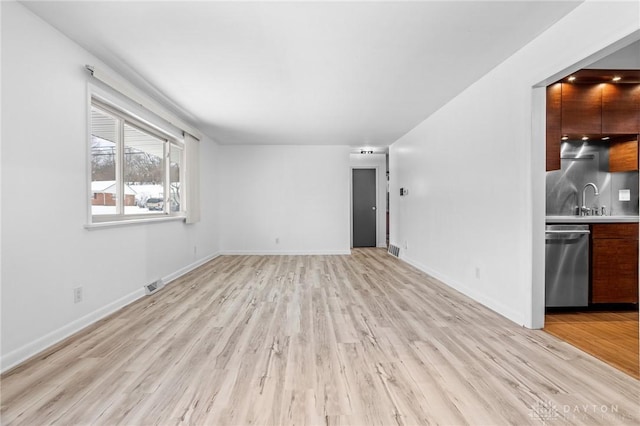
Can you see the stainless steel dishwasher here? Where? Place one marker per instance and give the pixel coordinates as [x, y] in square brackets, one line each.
[567, 265]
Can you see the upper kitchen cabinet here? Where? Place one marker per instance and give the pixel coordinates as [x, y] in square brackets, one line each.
[623, 154]
[554, 126]
[581, 108]
[620, 108]
[595, 103]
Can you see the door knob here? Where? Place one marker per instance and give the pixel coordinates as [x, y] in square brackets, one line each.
[373, 208]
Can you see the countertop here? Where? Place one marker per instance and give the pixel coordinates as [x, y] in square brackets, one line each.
[592, 219]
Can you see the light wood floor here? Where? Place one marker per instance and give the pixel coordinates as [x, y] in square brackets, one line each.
[609, 336]
[327, 340]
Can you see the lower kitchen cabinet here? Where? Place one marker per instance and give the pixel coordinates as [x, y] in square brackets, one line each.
[614, 266]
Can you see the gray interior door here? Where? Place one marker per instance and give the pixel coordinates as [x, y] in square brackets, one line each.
[364, 207]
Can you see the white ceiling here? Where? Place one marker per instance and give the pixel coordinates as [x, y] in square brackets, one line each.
[351, 73]
[627, 58]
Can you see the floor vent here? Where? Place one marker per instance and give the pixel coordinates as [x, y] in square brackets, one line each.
[394, 250]
[153, 287]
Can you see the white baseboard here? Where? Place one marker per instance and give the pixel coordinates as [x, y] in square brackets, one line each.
[27, 351]
[284, 252]
[180, 272]
[490, 303]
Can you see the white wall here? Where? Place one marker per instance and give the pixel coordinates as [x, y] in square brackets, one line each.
[474, 216]
[46, 251]
[378, 162]
[296, 194]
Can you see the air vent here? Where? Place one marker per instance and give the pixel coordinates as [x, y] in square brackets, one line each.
[394, 250]
[153, 287]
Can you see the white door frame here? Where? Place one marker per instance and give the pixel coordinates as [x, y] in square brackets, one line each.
[538, 175]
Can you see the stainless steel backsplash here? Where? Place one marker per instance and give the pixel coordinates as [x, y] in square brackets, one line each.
[584, 162]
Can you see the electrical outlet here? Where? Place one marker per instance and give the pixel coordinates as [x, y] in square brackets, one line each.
[406, 245]
[77, 295]
[477, 272]
[195, 250]
[277, 240]
[624, 195]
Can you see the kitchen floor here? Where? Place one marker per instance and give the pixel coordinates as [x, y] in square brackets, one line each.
[609, 336]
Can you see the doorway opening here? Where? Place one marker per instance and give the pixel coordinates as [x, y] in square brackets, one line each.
[605, 323]
[374, 164]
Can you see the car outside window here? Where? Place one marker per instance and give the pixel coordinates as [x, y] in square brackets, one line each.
[135, 168]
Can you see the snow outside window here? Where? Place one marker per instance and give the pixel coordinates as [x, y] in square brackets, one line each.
[136, 170]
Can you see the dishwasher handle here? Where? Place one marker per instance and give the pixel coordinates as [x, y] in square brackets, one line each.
[568, 236]
[568, 231]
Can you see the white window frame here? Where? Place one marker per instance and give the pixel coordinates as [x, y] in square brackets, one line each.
[183, 196]
[148, 123]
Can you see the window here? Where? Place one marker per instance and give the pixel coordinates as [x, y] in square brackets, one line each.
[136, 168]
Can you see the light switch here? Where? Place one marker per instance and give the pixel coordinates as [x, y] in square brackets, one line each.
[624, 195]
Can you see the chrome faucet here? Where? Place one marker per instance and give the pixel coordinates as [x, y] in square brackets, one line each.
[584, 210]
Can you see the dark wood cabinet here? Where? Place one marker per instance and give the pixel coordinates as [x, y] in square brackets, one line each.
[623, 155]
[594, 110]
[620, 108]
[581, 108]
[614, 263]
[554, 125]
